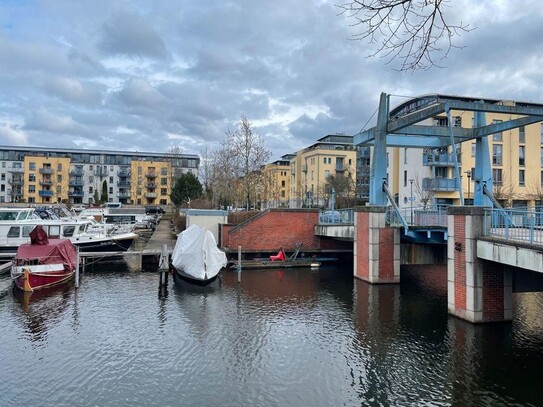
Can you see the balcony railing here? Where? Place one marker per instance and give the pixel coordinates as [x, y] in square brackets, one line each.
[76, 182]
[18, 170]
[151, 185]
[440, 159]
[151, 175]
[123, 195]
[150, 195]
[77, 172]
[45, 192]
[123, 173]
[123, 184]
[16, 182]
[46, 182]
[439, 184]
[46, 171]
[75, 194]
[340, 168]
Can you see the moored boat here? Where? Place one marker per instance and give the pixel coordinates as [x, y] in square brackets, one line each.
[196, 256]
[43, 262]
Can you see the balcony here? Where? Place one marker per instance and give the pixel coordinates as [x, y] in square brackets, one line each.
[45, 192]
[123, 184]
[151, 175]
[77, 172]
[150, 195]
[46, 171]
[439, 159]
[151, 185]
[123, 174]
[75, 194]
[340, 167]
[16, 182]
[14, 192]
[46, 182]
[304, 168]
[439, 184]
[17, 170]
[76, 183]
[123, 195]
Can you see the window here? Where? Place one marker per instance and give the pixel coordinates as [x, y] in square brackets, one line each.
[312, 175]
[164, 171]
[27, 230]
[521, 153]
[329, 160]
[497, 176]
[54, 231]
[163, 191]
[405, 178]
[91, 179]
[283, 182]
[59, 167]
[497, 136]
[111, 180]
[324, 160]
[32, 166]
[521, 135]
[497, 154]
[31, 189]
[473, 149]
[31, 177]
[404, 155]
[521, 177]
[163, 181]
[68, 231]
[59, 178]
[14, 231]
[326, 174]
[282, 194]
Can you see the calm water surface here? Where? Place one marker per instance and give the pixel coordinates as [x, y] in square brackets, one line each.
[280, 338]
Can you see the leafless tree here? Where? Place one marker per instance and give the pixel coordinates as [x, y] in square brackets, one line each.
[344, 189]
[504, 192]
[249, 154]
[425, 190]
[206, 172]
[415, 31]
[535, 191]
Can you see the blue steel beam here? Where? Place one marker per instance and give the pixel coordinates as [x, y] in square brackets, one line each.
[495, 108]
[364, 137]
[483, 165]
[378, 170]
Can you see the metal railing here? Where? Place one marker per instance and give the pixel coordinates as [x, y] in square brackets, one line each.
[431, 215]
[336, 217]
[515, 224]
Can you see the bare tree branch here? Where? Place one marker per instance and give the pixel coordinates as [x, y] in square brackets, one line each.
[414, 31]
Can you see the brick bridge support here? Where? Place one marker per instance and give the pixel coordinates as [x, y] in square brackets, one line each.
[477, 290]
[376, 246]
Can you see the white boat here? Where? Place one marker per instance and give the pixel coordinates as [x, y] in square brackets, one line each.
[196, 256]
[17, 223]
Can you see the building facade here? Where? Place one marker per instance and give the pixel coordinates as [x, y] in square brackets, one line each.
[331, 155]
[44, 175]
[276, 183]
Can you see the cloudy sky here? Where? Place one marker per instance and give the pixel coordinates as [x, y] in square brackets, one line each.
[150, 75]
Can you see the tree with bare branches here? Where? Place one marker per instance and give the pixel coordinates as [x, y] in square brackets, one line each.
[416, 32]
[504, 192]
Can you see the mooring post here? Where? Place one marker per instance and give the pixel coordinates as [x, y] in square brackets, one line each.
[239, 263]
[163, 266]
[77, 258]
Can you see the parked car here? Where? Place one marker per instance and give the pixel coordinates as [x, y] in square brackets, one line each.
[154, 210]
[330, 217]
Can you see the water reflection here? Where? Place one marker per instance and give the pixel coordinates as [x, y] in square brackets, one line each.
[42, 309]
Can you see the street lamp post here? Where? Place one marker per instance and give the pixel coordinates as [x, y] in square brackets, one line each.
[468, 173]
[411, 199]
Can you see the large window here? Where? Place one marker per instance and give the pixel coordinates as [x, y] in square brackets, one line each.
[497, 156]
[497, 136]
[521, 135]
[497, 176]
[521, 154]
[521, 177]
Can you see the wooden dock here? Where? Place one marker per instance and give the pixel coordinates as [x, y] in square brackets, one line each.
[144, 254]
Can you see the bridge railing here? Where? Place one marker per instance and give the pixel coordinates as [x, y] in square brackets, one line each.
[336, 217]
[516, 224]
[430, 215]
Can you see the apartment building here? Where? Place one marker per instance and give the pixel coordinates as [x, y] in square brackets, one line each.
[44, 175]
[428, 176]
[276, 183]
[310, 167]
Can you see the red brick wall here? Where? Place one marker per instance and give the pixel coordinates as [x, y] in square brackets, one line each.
[460, 263]
[493, 295]
[386, 254]
[362, 245]
[272, 229]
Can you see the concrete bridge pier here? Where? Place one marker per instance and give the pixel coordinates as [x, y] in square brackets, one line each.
[376, 246]
[478, 290]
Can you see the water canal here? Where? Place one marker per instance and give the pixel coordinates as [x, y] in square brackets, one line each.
[280, 338]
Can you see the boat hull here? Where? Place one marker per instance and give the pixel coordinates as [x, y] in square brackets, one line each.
[191, 279]
[30, 278]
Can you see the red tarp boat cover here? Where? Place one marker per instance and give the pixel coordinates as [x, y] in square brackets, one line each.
[47, 251]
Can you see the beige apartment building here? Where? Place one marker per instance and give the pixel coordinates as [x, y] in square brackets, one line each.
[151, 182]
[331, 155]
[46, 179]
[276, 183]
